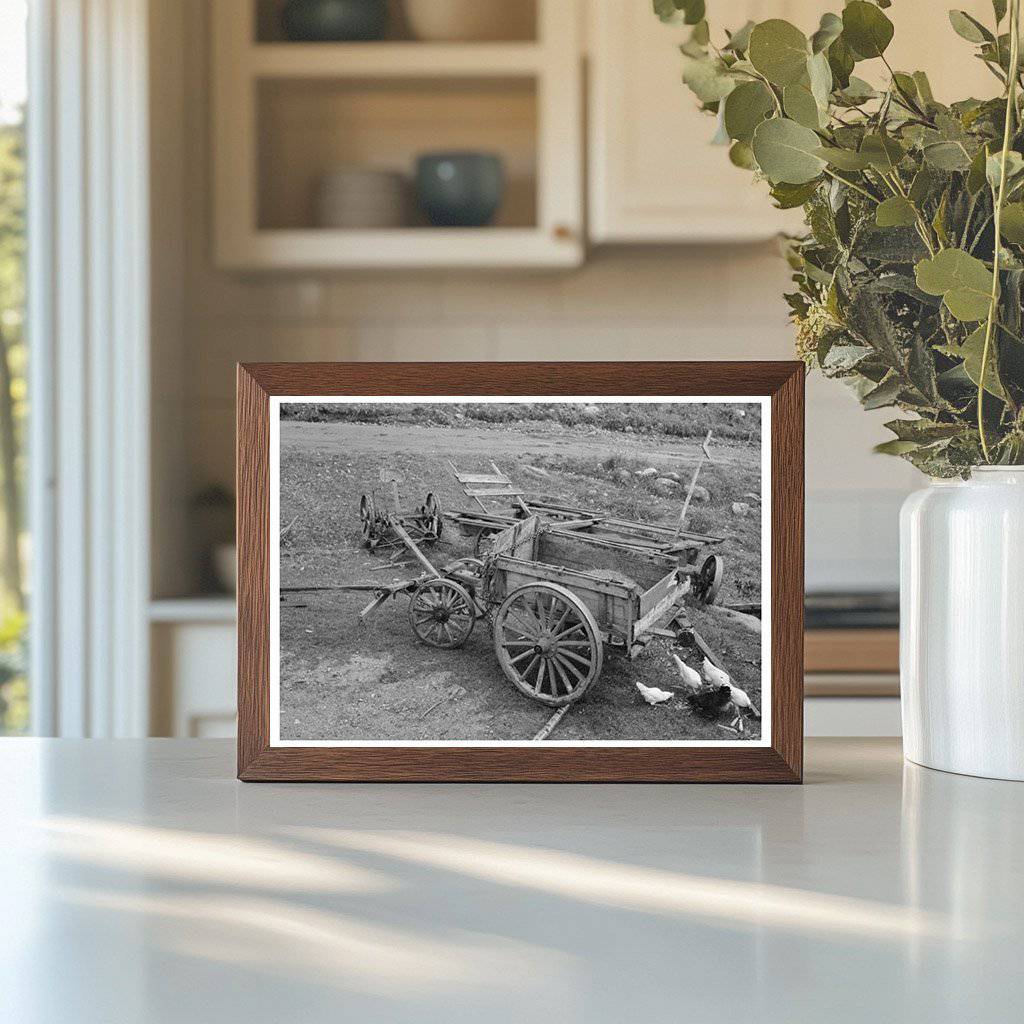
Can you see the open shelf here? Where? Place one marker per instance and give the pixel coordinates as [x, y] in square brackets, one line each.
[391, 60]
[520, 22]
[309, 127]
[286, 114]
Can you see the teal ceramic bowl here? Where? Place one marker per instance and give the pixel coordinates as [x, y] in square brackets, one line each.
[334, 21]
[462, 190]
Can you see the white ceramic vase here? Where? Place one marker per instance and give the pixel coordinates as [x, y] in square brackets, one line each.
[962, 624]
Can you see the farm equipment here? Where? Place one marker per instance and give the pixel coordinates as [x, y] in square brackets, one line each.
[379, 526]
[659, 544]
[554, 613]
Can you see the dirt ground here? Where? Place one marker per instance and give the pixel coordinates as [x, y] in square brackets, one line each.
[342, 678]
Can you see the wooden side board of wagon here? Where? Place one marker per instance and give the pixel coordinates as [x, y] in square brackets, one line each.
[659, 544]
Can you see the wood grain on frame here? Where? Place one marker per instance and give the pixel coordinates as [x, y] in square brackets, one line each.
[780, 762]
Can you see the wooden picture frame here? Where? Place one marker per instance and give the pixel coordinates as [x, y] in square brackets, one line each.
[779, 759]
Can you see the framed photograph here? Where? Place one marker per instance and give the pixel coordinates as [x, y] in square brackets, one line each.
[579, 572]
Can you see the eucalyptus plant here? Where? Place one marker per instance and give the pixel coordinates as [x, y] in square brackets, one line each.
[910, 278]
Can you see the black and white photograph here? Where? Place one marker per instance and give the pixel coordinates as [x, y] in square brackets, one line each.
[459, 572]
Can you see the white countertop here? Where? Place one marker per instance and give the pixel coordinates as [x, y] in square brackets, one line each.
[140, 882]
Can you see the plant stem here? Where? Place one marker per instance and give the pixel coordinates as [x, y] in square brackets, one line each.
[1011, 109]
[853, 185]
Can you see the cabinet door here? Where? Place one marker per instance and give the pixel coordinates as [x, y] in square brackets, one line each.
[654, 177]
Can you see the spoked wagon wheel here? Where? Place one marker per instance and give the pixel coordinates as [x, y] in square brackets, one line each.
[548, 643]
[469, 572]
[442, 613]
[709, 579]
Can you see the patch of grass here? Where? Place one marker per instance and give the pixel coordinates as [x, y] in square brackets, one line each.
[733, 422]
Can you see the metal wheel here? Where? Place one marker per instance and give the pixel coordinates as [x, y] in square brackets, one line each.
[548, 643]
[709, 579]
[442, 613]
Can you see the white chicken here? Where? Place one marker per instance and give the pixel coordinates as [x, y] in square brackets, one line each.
[653, 695]
[740, 700]
[690, 676]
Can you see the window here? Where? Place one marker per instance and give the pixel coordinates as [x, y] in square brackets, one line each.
[14, 692]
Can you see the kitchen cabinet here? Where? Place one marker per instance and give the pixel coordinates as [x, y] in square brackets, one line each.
[287, 114]
[654, 177]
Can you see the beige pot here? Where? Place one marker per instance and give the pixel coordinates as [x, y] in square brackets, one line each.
[471, 20]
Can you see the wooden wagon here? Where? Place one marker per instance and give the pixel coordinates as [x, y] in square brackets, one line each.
[661, 545]
[554, 612]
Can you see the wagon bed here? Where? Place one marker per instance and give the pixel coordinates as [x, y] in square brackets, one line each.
[556, 617]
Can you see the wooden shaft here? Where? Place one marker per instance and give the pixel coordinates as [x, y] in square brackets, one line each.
[693, 487]
[411, 545]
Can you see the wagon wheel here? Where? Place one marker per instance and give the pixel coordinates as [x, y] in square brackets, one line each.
[709, 579]
[368, 521]
[469, 572]
[442, 613]
[548, 643]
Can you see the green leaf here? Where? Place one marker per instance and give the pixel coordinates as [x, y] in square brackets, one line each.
[788, 197]
[993, 167]
[801, 106]
[963, 281]
[922, 185]
[707, 78]
[819, 74]
[895, 447]
[666, 10]
[701, 34]
[971, 351]
[741, 155]
[947, 156]
[840, 61]
[829, 30]
[689, 12]
[844, 159]
[779, 51]
[885, 394]
[976, 173]
[866, 29]
[939, 220]
[745, 108]
[787, 152]
[883, 152]
[969, 28]
[857, 91]
[905, 84]
[923, 431]
[895, 212]
[924, 87]
[1012, 224]
[739, 41]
